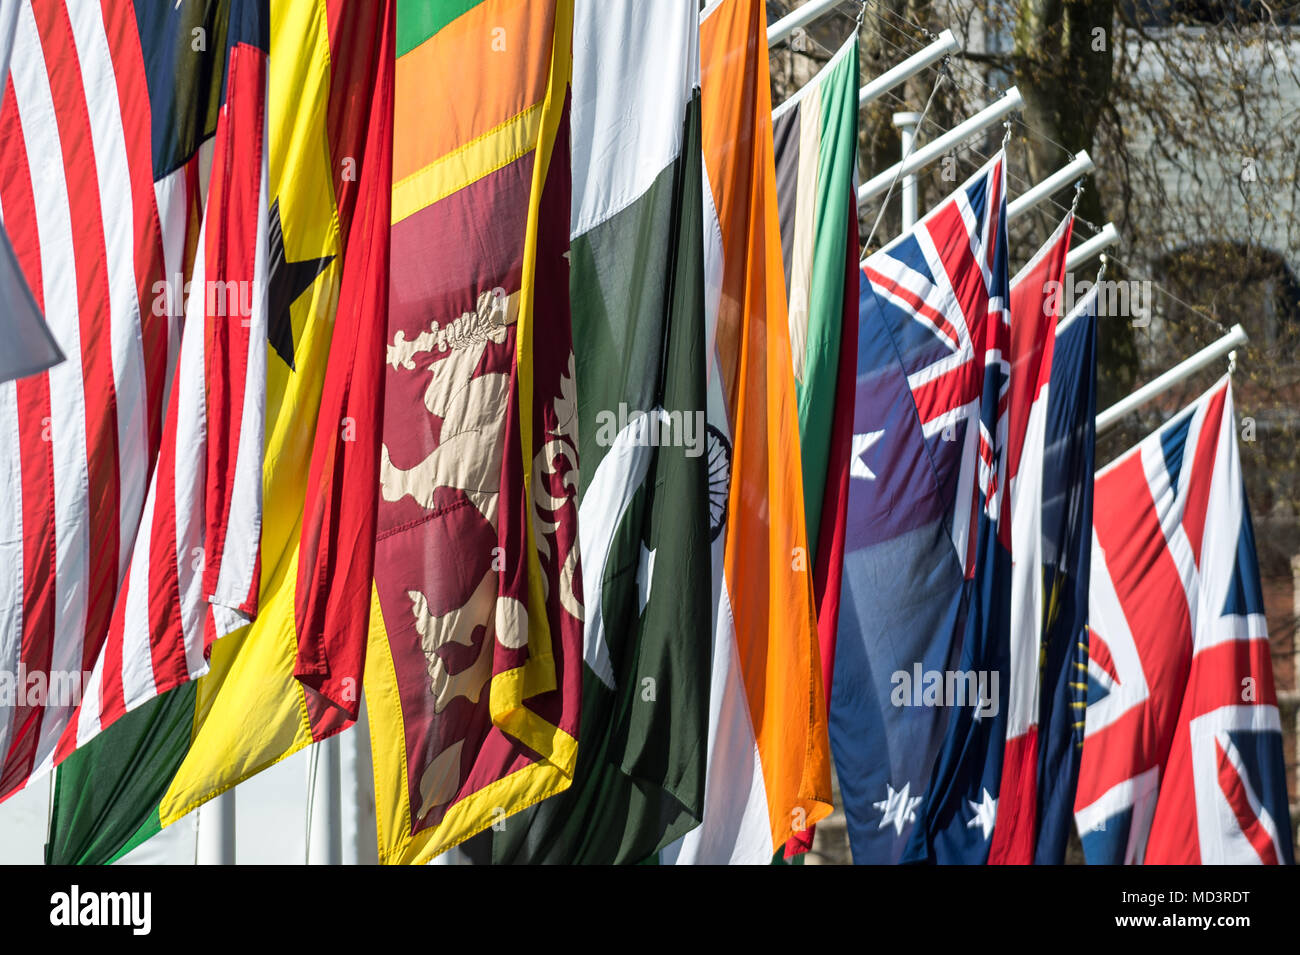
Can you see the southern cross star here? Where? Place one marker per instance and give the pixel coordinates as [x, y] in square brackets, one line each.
[986, 812]
[898, 808]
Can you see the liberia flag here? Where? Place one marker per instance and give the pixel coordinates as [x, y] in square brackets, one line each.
[102, 119]
[1035, 308]
[1182, 753]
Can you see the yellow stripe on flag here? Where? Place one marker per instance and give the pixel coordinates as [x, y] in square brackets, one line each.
[510, 689]
[468, 164]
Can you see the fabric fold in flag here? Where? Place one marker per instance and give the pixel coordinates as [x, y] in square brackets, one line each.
[1036, 294]
[769, 766]
[637, 287]
[920, 692]
[474, 669]
[275, 687]
[1182, 754]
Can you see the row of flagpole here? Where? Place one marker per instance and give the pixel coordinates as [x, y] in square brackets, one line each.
[324, 844]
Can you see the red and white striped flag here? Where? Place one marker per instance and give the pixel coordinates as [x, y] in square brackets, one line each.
[130, 484]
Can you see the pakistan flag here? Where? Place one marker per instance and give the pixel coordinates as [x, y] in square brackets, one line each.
[647, 458]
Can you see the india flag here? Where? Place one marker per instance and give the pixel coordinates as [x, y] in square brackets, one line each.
[769, 767]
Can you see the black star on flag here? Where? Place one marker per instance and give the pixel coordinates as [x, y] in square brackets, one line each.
[288, 280]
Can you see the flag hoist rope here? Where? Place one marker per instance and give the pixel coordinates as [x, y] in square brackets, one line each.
[908, 145]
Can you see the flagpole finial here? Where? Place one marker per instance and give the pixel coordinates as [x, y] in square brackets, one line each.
[1006, 135]
[862, 13]
[1232, 361]
[1078, 191]
[1101, 269]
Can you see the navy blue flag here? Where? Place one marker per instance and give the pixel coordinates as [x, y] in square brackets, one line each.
[920, 682]
[1068, 456]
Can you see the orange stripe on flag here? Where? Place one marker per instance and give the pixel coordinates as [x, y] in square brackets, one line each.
[767, 567]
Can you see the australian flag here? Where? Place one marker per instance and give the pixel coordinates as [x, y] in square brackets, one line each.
[1182, 754]
[919, 696]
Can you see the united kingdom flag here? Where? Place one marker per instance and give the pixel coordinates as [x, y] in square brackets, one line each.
[1182, 756]
[926, 580]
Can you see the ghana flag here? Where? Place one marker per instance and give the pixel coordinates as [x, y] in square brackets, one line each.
[292, 677]
[637, 287]
[473, 679]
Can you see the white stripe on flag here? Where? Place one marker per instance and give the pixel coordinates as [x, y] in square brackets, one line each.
[191, 460]
[1027, 576]
[244, 527]
[173, 198]
[67, 395]
[92, 693]
[137, 657]
[11, 552]
[634, 135]
[805, 230]
[117, 212]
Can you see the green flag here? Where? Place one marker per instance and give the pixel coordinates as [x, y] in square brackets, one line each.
[637, 289]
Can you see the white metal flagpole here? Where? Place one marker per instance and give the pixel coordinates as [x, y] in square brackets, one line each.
[216, 841]
[1104, 239]
[1208, 355]
[907, 123]
[325, 835]
[810, 11]
[879, 184]
[1080, 165]
[905, 70]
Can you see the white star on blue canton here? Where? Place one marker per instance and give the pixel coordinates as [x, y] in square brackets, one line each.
[897, 808]
[861, 444]
[986, 813]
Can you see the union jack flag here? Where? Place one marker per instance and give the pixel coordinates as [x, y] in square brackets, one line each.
[926, 580]
[1182, 756]
[946, 282]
